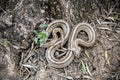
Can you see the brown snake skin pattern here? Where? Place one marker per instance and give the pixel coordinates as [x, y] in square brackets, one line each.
[55, 57]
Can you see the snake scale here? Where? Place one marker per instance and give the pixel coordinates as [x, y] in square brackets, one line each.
[62, 28]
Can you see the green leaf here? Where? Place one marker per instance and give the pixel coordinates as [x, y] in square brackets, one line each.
[40, 37]
[36, 33]
[44, 25]
[87, 53]
[44, 35]
[41, 42]
[36, 40]
[84, 67]
[5, 42]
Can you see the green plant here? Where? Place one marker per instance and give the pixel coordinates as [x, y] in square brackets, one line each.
[44, 25]
[84, 69]
[87, 53]
[41, 37]
[5, 42]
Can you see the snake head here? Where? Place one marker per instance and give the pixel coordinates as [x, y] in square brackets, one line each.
[77, 50]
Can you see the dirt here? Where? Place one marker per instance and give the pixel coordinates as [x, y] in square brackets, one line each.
[21, 59]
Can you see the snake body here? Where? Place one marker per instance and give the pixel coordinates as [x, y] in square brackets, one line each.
[74, 41]
[63, 28]
[64, 31]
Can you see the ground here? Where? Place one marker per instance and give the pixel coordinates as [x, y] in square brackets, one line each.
[22, 59]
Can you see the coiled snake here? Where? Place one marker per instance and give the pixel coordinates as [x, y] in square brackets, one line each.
[62, 28]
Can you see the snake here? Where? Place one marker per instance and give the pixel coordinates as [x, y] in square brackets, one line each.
[74, 41]
[62, 27]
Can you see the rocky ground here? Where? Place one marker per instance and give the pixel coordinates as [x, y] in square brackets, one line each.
[21, 59]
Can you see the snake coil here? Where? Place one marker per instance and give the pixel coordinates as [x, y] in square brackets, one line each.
[62, 27]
